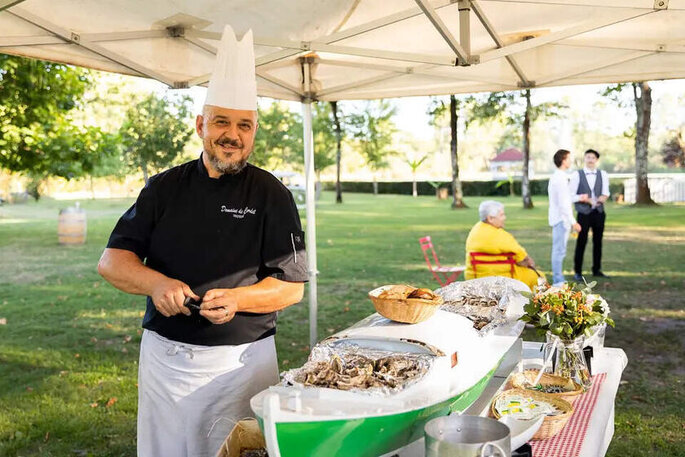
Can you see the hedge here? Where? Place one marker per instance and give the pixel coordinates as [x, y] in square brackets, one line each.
[470, 188]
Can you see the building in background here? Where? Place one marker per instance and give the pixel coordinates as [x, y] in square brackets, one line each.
[508, 164]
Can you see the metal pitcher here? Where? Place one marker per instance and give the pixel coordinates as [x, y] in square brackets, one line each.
[467, 436]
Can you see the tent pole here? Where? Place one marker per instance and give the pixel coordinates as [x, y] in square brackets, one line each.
[465, 25]
[308, 141]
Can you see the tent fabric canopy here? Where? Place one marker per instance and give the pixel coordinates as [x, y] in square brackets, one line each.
[363, 49]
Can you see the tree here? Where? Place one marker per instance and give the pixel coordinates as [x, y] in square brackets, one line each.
[325, 137]
[673, 151]
[437, 111]
[525, 179]
[515, 108]
[643, 108]
[642, 101]
[338, 154]
[155, 131]
[373, 130]
[38, 135]
[414, 164]
[279, 138]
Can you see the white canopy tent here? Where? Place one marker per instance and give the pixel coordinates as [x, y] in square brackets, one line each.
[360, 49]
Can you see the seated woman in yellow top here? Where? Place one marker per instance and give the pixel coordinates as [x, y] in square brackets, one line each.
[488, 236]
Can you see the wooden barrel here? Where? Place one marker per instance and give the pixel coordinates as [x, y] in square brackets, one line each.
[72, 228]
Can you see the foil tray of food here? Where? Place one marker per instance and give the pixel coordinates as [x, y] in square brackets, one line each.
[488, 302]
[347, 366]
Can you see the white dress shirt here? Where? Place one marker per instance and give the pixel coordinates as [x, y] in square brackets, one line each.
[591, 176]
[560, 206]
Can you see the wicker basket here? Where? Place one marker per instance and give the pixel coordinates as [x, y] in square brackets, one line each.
[408, 310]
[552, 424]
[521, 380]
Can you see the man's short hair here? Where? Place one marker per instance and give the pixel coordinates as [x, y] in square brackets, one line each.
[489, 208]
[560, 156]
[592, 151]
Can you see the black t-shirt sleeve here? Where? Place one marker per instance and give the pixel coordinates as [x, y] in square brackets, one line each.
[134, 228]
[284, 255]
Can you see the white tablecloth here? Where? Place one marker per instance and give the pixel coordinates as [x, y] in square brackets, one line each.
[600, 429]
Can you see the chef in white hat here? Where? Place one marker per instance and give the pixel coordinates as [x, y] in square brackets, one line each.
[217, 247]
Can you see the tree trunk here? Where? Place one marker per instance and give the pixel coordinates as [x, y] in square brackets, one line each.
[338, 154]
[414, 191]
[145, 177]
[643, 107]
[457, 192]
[92, 187]
[525, 182]
[375, 185]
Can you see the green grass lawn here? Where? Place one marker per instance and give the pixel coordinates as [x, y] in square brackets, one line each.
[69, 348]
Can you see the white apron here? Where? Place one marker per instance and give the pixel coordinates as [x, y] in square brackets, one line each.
[190, 396]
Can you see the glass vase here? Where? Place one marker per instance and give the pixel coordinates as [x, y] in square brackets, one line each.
[596, 338]
[569, 360]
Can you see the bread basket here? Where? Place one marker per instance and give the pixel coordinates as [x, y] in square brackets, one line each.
[523, 381]
[407, 310]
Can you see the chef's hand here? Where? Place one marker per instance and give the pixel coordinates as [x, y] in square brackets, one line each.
[577, 228]
[169, 295]
[219, 306]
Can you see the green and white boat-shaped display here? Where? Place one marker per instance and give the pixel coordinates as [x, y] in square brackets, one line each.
[309, 421]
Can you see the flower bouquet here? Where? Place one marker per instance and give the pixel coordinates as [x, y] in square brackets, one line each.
[567, 315]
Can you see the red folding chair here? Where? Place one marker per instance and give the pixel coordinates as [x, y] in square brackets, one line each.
[476, 259]
[444, 275]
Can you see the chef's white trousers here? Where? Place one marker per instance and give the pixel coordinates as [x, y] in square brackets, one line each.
[190, 396]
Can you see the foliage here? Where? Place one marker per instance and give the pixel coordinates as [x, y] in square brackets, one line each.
[673, 151]
[439, 108]
[325, 137]
[372, 130]
[510, 107]
[618, 94]
[414, 164]
[279, 138]
[509, 180]
[155, 132]
[642, 102]
[568, 311]
[38, 135]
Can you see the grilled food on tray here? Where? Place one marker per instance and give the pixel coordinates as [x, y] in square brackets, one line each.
[478, 300]
[361, 372]
[254, 453]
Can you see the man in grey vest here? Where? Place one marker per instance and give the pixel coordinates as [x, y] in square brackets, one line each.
[591, 187]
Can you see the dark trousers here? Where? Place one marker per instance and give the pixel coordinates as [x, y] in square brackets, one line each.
[595, 221]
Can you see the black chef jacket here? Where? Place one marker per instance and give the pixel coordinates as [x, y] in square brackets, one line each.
[214, 233]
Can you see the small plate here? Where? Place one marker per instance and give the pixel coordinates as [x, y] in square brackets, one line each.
[521, 430]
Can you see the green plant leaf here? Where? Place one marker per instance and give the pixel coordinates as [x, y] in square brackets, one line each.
[545, 319]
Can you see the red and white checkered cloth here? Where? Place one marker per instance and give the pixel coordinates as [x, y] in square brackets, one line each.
[569, 441]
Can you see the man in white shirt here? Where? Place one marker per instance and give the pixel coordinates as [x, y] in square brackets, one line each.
[560, 213]
[590, 189]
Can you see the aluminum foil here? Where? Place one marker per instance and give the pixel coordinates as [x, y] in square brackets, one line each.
[347, 366]
[485, 301]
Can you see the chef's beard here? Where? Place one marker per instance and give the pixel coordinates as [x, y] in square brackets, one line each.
[227, 168]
